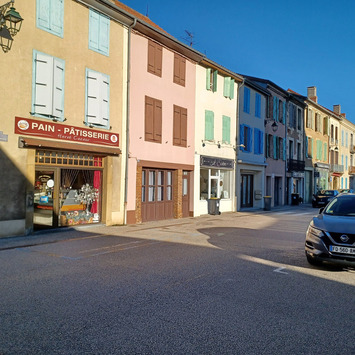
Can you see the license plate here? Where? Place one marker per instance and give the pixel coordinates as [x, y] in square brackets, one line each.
[342, 250]
[321, 202]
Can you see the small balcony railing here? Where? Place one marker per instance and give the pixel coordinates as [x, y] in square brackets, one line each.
[352, 148]
[295, 165]
[351, 170]
[336, 168]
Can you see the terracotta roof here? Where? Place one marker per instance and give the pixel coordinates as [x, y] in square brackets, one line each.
[138, 15]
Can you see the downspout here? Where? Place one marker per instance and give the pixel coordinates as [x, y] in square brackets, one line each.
[127, 116]
[237, 179]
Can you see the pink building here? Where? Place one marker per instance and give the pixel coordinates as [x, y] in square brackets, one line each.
[160, 126]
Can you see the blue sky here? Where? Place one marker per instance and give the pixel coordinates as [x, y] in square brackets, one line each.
[295, 44]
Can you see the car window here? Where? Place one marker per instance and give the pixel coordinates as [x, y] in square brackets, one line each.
[341, 207]
[328, 193]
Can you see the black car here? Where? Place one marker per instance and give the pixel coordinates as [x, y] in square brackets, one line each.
[322, 197]
[330, 236]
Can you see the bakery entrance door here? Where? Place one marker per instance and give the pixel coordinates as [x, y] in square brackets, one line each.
[45, 214]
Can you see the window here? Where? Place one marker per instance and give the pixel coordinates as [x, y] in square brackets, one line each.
[346, 139]
[209, 125]
[269, 140]
[215, 183]
[228, 88]
[153, 120]
[246, 138]
[48, 86]
[246, 106]
[97, 99]
[342, 138]
[299, 119]
[180, 126]
[309, 147]
[257, 105]
[258, 141]
[309, 119]
[155, 58]
[211, 79]
[50, 15]
[179, 69]
[99, 32]
[226, 128]
[325, 125]
[280, 111]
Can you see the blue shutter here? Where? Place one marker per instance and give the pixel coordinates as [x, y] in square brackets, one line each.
[274, 107]
[246, 107]
[306, 149]
[261, 142]
[256, 141]
[57, 16]
[99, 32]
[257, 105]
[284, 149]
[284, 113]
[241, 133]
[50, 15]
[94, 30]
[250, 139]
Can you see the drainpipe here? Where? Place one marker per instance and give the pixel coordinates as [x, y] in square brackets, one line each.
[237, 176]
[127, 117]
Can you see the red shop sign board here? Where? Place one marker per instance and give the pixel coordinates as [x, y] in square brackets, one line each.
[60, 131]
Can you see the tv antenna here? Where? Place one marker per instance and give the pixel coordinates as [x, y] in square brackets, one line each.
[189, 38]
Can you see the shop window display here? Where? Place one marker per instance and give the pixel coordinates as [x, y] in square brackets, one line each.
[215, 183]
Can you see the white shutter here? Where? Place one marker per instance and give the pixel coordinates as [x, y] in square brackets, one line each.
[97, 98]
[57, 17]
[94, 30]
[43, 84]
[58, 88]
[104, 34]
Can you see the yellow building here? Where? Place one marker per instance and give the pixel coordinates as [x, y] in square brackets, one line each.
[63, 116]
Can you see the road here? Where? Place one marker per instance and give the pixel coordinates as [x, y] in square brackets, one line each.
[229, 284]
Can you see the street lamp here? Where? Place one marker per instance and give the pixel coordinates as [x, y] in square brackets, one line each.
[274, 125]
[10, 24]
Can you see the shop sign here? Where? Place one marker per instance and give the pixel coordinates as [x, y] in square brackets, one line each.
[216, 162]
[64, 132]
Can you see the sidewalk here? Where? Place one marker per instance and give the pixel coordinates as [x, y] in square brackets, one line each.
[191, 223]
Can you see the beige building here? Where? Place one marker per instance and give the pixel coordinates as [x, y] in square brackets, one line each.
[63, 116]
[317, 128]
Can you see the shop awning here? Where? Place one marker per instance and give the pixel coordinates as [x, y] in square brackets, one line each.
[25, 142]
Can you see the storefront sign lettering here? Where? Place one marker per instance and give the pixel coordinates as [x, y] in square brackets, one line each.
[64, 132]
[216, 162]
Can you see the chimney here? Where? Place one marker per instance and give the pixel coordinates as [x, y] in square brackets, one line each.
[337, 109]
[312, 93]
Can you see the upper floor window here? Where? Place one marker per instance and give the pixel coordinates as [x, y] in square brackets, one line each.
[246, 105]
[99, 32]
[299, 119]
[258, 141]
[257, 105]
[226, 129]
[179, 69]
[155, 58]
[153, 120]
[325, 125]
[317, 122]
[246, 138]
[97, 99]
[228, 88]
[180, 126]
[211, 79]
[48, 86]
[209, 125]
[50, 16]
[342, 138]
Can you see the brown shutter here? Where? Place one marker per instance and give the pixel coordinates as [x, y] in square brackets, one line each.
[149, 119]
[177, 126]
[158, 59]
[157, 120]
[151, 57]
[184, 127]
[176, 69]
[182, 71]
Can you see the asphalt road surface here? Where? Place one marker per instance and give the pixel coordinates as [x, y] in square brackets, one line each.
[214, 285]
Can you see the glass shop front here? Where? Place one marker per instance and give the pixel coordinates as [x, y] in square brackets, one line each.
[67, 189]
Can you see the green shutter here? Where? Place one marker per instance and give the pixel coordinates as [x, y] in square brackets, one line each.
[231, 89]
[325, 151]
[215, 73]
[226, 123]
[208, 79]
[209, 125]
[226, 86]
